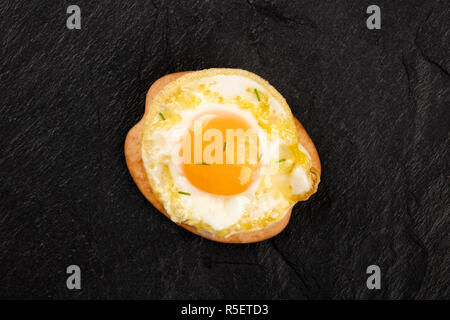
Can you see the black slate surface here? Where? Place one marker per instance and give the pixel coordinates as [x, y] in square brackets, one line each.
[376, 103]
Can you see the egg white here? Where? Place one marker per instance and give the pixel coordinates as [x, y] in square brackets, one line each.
[166, 175]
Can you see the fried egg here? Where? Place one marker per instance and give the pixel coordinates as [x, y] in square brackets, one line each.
[221, 152]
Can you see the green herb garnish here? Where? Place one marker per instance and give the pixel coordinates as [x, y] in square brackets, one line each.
[162, 116]
[203, 163]
[224, 146]
[281, 160]
[257, 94]
[185, 193]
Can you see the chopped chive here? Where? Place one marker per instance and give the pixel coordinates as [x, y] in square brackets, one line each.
[203, 163]
[259, 157]
[185, 193]
[224, 146]
[281, 160]
[257, 94]
[162, 116]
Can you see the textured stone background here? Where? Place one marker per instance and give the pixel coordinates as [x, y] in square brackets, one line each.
[376, 103]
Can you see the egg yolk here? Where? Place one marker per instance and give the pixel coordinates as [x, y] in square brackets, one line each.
[238, 167]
